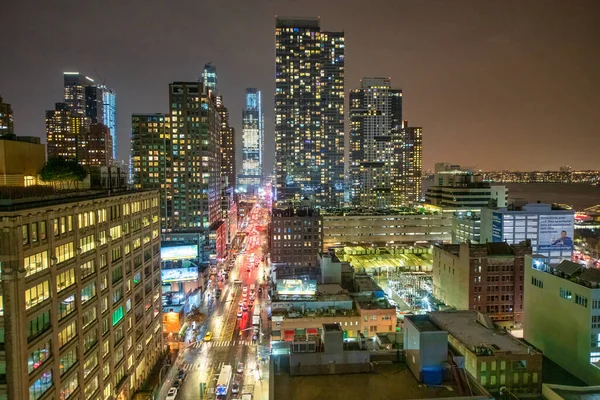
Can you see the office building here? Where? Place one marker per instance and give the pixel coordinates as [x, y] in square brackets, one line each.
[296, 237]
[481, 277]
[227, 143]
[80, 295]
[209, 78]
[96, 102]
[95, 146]
[562, 315]
[63, 131]
[309, 112]
[375, 121]
[6, 119]
[21, 160]
[367, 227]
[410, 149]
[456, 188]
[549, 227]
[466, 226]
[252, 141]
[492, 357]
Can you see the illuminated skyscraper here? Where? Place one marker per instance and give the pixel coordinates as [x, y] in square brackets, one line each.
[6, 119]
[309, 112]
[411, 165]
[252, 136]
[96, 102]
[227, 141]
[63, 130]
[209, 77]
[375, 141]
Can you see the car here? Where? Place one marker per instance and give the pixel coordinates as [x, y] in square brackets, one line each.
[252, 297]
[177, 383]
[181, 375]
[259, 290]
[241, 303]
[235, 388]
[239, 313]
[171, 394]
[245, 289]
[245, 307]
[208, 336]
[248, 269]
[240, 367]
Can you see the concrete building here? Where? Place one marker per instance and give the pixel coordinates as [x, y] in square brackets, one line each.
[296, 235]
[7, 121]
[21, 160]
[457, 188]
[481, 277]
[356, 227]
[80, 294]
[562, 315]
[466, 226]
[95, 146]
[492, 357]
[377, 315]
[309, 112]
[426, 347]
[549, 227]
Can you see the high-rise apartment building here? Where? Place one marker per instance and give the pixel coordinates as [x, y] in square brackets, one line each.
[6, 119]
[409, 146]
[80, 298]
[309, 109]
[252, 141]
[63, 130]
[95, 146]
[227, 143]
[209, 77]
[375, 133]
[180, 153]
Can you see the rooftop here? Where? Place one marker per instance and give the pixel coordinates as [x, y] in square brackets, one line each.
[575, 392]
[366, 284]
[422, 323]
[371, 304]
[332, 327]
[18, 199]
[349, 212]
[571, 271]
[466, 327]
[492, 249]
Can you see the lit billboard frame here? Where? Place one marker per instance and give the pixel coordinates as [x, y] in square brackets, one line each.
[296, 287]
[174, 253]
[170, 275]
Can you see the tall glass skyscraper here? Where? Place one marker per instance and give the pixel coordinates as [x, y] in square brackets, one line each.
[253, 141]
[109, 100]
[309, 111]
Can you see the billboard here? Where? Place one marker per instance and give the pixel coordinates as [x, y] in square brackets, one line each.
[555, 232]
[179, 275]
[293, 287]
[497, 227]
[184, 252]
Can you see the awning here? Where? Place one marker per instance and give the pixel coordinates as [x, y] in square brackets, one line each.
[312, 331]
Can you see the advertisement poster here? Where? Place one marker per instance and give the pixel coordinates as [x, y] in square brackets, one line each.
[497, 230]
[293, 287]
[179, 274]
[555, 232]
[173, 253]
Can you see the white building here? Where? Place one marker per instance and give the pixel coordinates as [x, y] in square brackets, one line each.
[549, 228]
[562, 314]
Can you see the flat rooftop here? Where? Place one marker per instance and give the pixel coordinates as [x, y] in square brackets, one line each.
[576, 393]
[374, 212]
[422, 323]
[366, 283]
[371, 304]
[463, 325]
[388, 382]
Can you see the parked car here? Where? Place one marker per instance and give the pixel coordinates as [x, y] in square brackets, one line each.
[235, 388]
[240, 367]
[181, 375]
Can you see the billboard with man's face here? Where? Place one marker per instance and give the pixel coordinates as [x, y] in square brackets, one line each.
[555, 232]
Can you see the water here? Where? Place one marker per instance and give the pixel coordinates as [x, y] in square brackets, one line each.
[577, 195]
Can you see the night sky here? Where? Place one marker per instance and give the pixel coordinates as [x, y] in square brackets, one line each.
[495, 84]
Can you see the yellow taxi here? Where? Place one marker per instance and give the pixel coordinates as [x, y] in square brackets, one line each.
[208, 336]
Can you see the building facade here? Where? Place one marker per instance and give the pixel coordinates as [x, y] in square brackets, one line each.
[6, 119]
[81, 295]
[209, 78]
[410, 150]
[562, 315]
[63, 131]
[309, 112]
[227, 142]
[296, 237]
[367, 227]
[375, 120]
[481, 277]
[21, 160]
[252, 141]
[95, 146]
[549, 227]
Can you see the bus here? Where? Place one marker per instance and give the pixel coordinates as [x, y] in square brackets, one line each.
[224, 381]
[256, 318]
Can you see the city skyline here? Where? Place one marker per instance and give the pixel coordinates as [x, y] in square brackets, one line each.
[487, 61]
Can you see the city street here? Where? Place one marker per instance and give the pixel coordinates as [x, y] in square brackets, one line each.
[232, 337]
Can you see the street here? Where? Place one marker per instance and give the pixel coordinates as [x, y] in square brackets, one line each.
[232, 337]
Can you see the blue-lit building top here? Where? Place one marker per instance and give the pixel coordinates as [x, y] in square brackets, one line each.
[209, 77]
[110, 115]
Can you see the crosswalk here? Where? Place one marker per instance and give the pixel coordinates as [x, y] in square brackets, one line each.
[199, 365]
[221, 343]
